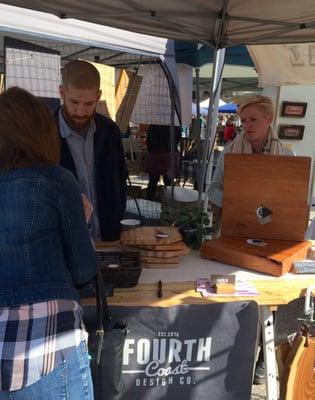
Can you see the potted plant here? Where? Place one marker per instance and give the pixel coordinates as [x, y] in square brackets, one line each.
[193, 224]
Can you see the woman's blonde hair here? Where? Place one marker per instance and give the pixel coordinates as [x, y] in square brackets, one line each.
[28, 131]
[263, 103]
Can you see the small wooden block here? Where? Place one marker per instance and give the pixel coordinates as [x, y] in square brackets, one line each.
[224, 288]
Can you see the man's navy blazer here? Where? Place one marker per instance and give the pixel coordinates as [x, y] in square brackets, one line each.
[110, 174]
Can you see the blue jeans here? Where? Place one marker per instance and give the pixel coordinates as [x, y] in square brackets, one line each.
[71, 380]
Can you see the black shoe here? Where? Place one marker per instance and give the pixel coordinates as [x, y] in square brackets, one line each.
[260, 373]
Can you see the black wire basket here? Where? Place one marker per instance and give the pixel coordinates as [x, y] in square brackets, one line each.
[122, 269]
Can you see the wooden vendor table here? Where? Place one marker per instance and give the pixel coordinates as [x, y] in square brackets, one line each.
[178, 287]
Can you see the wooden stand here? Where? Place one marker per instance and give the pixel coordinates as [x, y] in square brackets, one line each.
[277, 183]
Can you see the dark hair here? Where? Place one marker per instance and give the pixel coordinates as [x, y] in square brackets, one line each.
[81, 75]
[28, 132]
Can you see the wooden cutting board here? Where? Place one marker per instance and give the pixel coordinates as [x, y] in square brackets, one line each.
[168, 247]
[163, 254]
[160, 260]
[149, 235]
[298, 381]
[105, 245]
[275, 258]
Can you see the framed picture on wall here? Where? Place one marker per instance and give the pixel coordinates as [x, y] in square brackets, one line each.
[293, 109]
[291, 132]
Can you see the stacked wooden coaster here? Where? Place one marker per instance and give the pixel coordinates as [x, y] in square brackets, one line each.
[159, 246]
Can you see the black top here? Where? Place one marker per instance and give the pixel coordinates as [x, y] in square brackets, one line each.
[159, 138]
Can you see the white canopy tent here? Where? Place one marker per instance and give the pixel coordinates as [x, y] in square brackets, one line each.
[27, 22]
[218, 23]
[89, 40]
[214, 22]
[292, 64]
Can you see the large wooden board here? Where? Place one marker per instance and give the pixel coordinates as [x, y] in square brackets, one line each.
[276, 182]
[301, 380]
[147, 235]
[271, 292]
[106, 104]
[275, 258]
[126, 94]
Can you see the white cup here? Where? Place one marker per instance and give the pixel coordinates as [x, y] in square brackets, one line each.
[127, 224]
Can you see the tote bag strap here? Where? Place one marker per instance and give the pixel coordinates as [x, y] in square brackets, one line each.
[103, 315]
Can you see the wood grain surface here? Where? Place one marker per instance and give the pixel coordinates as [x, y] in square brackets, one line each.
[298, 378]
[304, 382]
[272, 292]
[148, 235]
[163, 254]
[276, 182]
[275, 258]
[171, 246]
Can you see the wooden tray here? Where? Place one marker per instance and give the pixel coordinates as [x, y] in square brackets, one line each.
[275, 258]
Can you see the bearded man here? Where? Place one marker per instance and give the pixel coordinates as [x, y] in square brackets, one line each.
[91, 149]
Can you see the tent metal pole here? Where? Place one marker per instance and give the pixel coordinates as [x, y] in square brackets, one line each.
[211, 118]
[311, 189]
[197, 71]
[217, 77]
[219, 55]
[199, 149]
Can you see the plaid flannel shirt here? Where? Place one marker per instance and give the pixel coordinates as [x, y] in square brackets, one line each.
[35, 339]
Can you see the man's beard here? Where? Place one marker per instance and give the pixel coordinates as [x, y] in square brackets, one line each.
[76, 122]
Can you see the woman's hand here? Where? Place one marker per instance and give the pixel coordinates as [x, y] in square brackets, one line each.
[87, 207]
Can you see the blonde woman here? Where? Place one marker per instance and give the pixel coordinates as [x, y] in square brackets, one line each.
[257, 137]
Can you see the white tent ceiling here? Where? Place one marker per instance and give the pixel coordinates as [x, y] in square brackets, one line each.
[240, 21]
[38, 24]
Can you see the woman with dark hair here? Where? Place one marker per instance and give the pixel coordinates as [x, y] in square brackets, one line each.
[45, 251]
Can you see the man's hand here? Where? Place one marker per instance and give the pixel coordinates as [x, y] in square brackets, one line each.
[87, 206]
